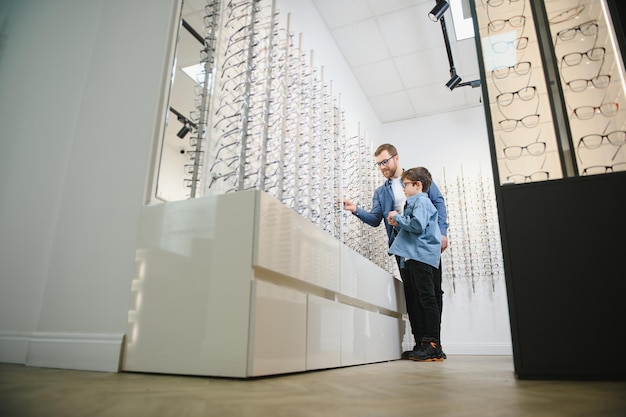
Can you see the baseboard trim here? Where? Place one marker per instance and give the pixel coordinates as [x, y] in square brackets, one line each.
[80, 351]
[465, 348]
[14, 347]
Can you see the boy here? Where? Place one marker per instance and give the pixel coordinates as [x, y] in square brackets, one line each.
[418, 244]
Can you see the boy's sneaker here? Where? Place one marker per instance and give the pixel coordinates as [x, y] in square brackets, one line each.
[406, 353]
[429, 351]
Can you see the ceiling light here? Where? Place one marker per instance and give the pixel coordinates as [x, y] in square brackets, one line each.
[454, 81]
[183, 131]
[439, 9]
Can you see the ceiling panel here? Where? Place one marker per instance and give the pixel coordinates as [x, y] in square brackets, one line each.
[396, 53]
[399, 57]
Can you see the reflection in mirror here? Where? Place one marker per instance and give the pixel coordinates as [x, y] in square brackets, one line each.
[177, 164]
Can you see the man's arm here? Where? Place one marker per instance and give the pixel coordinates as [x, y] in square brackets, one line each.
[440, 204]
[442, 214]
[372, 217]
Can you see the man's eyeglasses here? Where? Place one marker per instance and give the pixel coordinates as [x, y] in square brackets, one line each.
[384, 162]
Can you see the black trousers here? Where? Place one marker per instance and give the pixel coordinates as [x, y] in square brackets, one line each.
[412, 299]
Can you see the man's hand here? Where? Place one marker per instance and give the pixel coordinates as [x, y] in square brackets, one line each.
[349, 205]
[444, 243]
[390, 219]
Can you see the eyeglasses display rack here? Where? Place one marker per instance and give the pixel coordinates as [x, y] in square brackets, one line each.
[554, 78]
[553, 91]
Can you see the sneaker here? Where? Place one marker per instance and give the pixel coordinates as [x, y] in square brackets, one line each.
[429, 351]
[406, 353]
[443, 354]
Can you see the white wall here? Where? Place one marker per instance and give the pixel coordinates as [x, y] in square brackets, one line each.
[80, 103]
[450, 142]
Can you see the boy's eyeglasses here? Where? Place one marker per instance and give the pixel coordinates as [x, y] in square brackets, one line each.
[384, 162]
[404, 184]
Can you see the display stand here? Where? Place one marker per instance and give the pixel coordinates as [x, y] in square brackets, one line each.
[556, 112]
[239, 285]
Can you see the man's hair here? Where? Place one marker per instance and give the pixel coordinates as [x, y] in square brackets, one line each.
[386, 147]
[418, 174]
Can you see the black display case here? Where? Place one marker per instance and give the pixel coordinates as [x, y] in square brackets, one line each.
[553, 87]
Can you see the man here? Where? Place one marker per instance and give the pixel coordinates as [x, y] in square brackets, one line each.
[390, 197]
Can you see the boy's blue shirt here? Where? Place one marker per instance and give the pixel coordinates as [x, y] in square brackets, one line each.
[419, 237]
[383, 202]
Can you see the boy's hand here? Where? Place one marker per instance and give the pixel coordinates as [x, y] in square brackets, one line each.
[390, 219]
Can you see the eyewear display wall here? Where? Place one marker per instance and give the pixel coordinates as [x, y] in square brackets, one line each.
[554, 79]
[265, 118]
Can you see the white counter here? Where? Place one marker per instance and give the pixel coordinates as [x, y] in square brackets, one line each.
[238, 285]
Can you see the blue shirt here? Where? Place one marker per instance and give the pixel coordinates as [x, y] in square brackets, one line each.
[419, 237]
[383, 203]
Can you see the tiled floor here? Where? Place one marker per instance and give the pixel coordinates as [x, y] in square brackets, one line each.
[461, 386]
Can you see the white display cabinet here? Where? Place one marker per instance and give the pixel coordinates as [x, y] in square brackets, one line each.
[239, 285]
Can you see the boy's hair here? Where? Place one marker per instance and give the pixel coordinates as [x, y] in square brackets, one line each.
[386, 147]
[418, 174]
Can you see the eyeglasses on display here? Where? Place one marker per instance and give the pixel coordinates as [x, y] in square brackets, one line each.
[599, 81]
[575, 58]
[616, 138]
[587, 29]
[503, 46]
[521, 68]
[568, 14]
[601, 169]
[524, 94]
[535, 176]
[534, 149]
[509, 125]
[496, 3]
[514, 22]
[587, 112]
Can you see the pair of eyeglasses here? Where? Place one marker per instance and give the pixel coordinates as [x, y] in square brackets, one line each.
[586, 29]
[496, 3]
[581, 84]
[384, 162]
[509, 125]
[404, 184]
[521, 68]
[575, 58]
[568, 14]
[535, 176]
[501, 47]
[587, 112]
[616, 138]
[600, 169]
[514, 22]
[524, 94]
[534, 149]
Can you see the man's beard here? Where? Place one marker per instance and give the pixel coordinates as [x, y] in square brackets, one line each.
[391, 173]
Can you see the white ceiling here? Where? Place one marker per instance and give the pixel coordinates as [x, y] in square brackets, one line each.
[397, 54]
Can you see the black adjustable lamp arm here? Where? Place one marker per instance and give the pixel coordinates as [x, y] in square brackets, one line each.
[448, 49]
